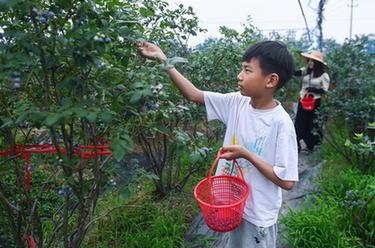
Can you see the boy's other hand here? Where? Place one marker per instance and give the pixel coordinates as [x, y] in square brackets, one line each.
[150, 51]
[232, 152]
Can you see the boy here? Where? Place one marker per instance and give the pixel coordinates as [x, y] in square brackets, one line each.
[266, 142]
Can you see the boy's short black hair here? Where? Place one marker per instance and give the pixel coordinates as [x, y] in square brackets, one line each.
[273, 57]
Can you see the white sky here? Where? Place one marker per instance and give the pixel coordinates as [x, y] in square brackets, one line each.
[280, 15]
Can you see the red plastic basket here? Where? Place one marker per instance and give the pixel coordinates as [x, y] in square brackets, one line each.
[222, 198]
[308, 102]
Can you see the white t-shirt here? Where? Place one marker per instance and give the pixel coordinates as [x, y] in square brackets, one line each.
[270, 135]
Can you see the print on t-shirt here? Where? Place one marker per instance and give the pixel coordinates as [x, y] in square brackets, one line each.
[257, 146]
[227, 167]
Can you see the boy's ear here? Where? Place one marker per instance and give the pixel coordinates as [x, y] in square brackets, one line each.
[272, 81]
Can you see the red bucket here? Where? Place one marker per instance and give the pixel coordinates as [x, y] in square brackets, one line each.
[308, 102]
[222, 199]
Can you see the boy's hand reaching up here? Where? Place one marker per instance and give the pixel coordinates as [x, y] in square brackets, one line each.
[233, 152]
[151, 51]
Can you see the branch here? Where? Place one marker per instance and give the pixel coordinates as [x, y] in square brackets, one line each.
[42, 58]
[40, 194]
[362, 210]
[15, 230]
[9, 158]
[7, 203]
[105, 161]
[357, 218]
[148, 151]
[184, 180]
[58, 227]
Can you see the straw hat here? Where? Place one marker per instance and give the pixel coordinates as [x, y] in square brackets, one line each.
[315, 55]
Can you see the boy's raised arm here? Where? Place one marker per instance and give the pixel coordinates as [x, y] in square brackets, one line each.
[188, 90]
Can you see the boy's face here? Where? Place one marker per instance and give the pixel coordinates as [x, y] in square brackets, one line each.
[251, 80]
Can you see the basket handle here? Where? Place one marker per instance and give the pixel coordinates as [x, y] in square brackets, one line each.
[234, 163]
[308, 94]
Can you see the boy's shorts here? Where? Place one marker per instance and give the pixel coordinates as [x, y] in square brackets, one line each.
[250, 235]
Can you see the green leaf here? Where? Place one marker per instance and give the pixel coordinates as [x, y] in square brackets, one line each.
[183, 107]
[161, 129]
[38, 116]
[146, 12]
[91, 117]
[195, 157]
[5, 4]
[120, 87]
[120, 145]
[151, 176]
[199, 134]
[79, 112]
[6, 122]
[175, 60]
[106, 117]
[52, 119]
[136, 97]
[118, 149]
[182, 137]
[22, 117]
[125, 191]
[358, 136]
[170, 62]
[348, 143]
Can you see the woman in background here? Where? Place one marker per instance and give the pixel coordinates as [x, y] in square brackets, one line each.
[315, 82]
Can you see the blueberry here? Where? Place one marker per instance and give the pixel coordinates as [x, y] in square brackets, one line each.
[45, 15]
[107, 40]
[42, 19]
[51, 14]
[99, 65]
[22, 125]
[61, 192]
[16, 82]
[65, 190]
[27, 69]
[15, 74]
[99, 39]
[66, 187]
[111, 183]
[148, 105]
[207, 149]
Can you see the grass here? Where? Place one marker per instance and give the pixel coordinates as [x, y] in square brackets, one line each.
[144, 220]
[327, 219]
